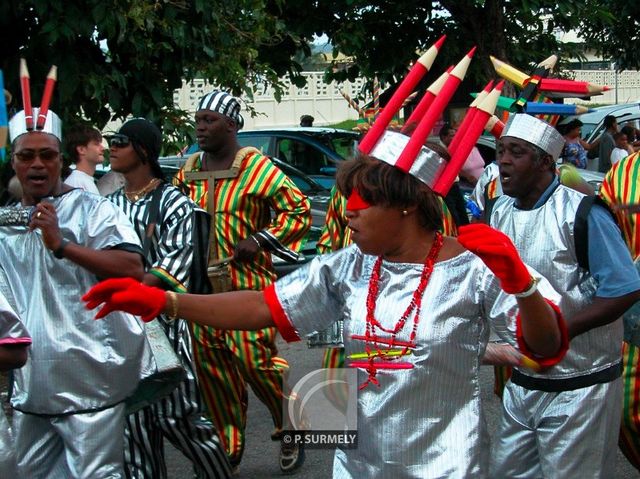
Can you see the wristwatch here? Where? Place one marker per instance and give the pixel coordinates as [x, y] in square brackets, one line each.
[59, 251]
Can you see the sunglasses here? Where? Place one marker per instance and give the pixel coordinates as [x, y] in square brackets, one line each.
[30, 155]
[119, 140]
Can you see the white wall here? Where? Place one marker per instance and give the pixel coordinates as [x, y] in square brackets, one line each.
[625, 86]
[323, 102]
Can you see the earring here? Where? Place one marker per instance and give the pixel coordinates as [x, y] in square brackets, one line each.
[405, 212]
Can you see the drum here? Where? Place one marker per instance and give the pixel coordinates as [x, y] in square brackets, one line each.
[167, 370]
[329, 338]
[220, 276]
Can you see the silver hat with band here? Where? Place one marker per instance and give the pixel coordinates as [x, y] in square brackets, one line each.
[18, 125]
[536, 132]
[427, 167]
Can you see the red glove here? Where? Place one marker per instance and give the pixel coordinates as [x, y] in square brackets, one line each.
[498, 253]
[126, 294]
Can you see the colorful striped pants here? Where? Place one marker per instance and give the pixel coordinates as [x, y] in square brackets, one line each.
[178, 417]
[226, 361]
[337, 392]
[630, 428]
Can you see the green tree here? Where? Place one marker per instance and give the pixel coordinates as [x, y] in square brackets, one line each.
[383, 36]
[122, 57]
[617, 36]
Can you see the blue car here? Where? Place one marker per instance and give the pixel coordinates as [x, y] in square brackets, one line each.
[313, 151]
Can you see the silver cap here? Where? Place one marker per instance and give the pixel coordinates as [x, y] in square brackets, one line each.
[536, 132]
[18, 125]
[427, 166]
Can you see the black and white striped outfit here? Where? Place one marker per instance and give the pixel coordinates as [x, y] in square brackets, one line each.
[178, 417]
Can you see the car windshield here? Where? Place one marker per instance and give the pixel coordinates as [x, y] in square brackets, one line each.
[586, 129]
[343, 145]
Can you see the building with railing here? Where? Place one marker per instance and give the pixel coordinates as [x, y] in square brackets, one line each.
[321, 100]
[625, 86]
[326, 104]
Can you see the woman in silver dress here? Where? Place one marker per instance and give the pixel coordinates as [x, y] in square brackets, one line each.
[401, 287]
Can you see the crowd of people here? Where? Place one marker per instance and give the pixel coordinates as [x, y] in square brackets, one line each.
[536, 288]
[613, 144]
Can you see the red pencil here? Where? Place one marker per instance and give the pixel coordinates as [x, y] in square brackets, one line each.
[421, 133]
[557, 85]
[483, 112]
[468, 117]
[26, 94]
[391, 342]
[426, 101]
[380, 365]
[405, 88]
[46, 97]
[494, 126]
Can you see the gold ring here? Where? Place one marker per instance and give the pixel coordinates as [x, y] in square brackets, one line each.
[39, 214]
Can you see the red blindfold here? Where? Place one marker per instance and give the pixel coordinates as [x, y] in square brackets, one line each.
[355, 201]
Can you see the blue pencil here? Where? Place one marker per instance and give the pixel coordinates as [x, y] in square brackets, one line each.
[534, 108]
[4, 123]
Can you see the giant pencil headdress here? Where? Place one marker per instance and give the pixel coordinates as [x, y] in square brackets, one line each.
[539, 130]
[409, 153]
[38, 119]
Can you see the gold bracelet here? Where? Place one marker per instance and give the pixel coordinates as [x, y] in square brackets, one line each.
[172, 305]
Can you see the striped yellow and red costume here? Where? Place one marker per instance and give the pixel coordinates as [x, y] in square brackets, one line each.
[335, 235]
[622, 186]
[228, 360]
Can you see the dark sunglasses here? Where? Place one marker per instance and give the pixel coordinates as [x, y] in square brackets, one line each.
[30, 155]
[119, 140]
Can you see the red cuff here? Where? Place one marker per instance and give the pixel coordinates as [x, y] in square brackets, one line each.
[14, 341]
[564, 340]
[278, 315]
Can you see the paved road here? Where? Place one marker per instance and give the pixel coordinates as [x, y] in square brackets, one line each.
[260, 459]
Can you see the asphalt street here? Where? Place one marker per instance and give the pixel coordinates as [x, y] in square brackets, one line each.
[260, 460]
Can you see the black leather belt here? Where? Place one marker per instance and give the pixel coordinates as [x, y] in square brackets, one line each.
[567, 384]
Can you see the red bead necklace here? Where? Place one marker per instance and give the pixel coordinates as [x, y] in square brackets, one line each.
[414, 307]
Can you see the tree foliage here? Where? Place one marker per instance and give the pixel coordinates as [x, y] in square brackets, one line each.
[617, 36]
[122, 57]
[384, 36]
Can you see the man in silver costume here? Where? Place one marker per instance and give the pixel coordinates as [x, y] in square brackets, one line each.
[564, 420]
[419, 414]
[69, 419]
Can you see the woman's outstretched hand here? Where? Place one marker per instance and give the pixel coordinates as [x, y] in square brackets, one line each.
[126, 294]
[498, 253]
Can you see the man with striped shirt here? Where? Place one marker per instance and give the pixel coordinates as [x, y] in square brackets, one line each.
[168, 252]
[246, 232]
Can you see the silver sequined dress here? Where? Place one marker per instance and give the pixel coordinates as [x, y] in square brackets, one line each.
[76, 363]
[422, 422]
[12, 333]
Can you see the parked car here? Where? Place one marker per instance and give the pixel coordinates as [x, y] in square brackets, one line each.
[593, 127]
[593, 124]
[313, 151]
[318, 197]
